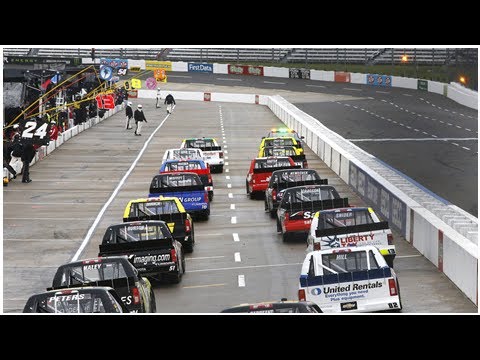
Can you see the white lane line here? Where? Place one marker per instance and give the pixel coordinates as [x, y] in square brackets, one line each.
[202, 286]
[389, 120]
[226, 164]
[241, 280]
[232, 206]
[316, 86]
[234, 220]
[415, 139]
[382, 92]
[347, 105]
[405, 110]
[383, 118]
[227, 170]
[396, 105]
[439, 107]
[428, 102]
[395, 122]
[407, 256]
[223, 137]
[384, 100]
[115, 192]
[454, 112]
[409, 127]
[421, 99]
[458, 126]
[204, 257]
[409, 95]
[446, 110]
[226, 157]
[229, 186]
[426, 117]
[226, 146]
[225, 152]
[227, 177]
[224, 141]
[419, 115]
[455, 144]
[236, 238]
[462, 115]
[463, 147]
[416, 130]
[227, 79]
[392, 103]
[423, 132]
[355, 107]
[230, 195]
[274, 82]
[352, 89]
[468, 129]
[237, 257]
[180, 76]
[442, 122]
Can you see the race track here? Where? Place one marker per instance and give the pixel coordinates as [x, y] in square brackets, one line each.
[46, 221]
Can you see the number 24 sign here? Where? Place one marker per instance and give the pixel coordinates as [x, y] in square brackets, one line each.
[36, 131]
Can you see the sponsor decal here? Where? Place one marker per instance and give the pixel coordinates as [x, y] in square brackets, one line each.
[341, 76]
[114, 63]
[422, 85]
[296, 73]
[67, 297]
[353, 239]
[136, 83]
[207, 96]
[41, 60]
[135, 68]
[379, 80]
[154, 64]
[350, 291]
[151, 259]
[245, 70]
[151, 83]
[93, 267]
[316, 291]
[200, 67]
[352, 305]
[189, 199]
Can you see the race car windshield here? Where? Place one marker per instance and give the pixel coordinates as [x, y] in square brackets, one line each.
[279, 142]
[179, 180]
[153, 208]
[86, 273]
[299, 176]
[183, 166]
[332, 219]
[311, 194]
[279, 151]
[271, 163]
[182, 154]
[75, 303]
[132, 233]
[199, 144]
[345, 262]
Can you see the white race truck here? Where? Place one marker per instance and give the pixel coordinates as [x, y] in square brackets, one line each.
[352, 226]
[182, 154]
[212, 152]
[354, 279]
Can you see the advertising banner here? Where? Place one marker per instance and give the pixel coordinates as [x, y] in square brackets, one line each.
[342, 76]
[41, 60]
[382, 200]
[379, 80]
[114, 63]
[422, 85]
[200, 67]
[136, 83]
[154, 64]
[207, 96]
[245, 70]
[295, 73]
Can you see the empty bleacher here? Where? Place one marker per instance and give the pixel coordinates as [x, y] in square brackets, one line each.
[332, 55]
[15, 51]
[226, 54]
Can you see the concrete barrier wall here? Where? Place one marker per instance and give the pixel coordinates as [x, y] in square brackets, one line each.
[463, 96]
[322, 75]
[402, 82]
[220, 68]
[436, 87]
[179, 66]
[136, 63]
[357, 78]
[276, 72]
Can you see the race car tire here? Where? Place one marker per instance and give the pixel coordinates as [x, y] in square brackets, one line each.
[253, 195]
[285, 237]
[153, 303]
[183, 264]
[218, 169]
[265, 204]
[247, 188]
[191, 241]
[210, 196]
[205, 215]
[176, 278]
[399, 310]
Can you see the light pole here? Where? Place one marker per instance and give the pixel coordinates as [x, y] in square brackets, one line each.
[404, 62]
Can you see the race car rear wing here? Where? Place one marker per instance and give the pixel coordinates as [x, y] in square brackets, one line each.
[171, 189]
[314, 206]
[210, 148]
[108, 249]
[383, 225]
[272, 169]
[168, 218]
[117, 284]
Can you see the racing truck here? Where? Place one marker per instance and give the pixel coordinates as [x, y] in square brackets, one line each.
[83, 300]
[149, 246]
[283, 131]
[212, 152]
[284, 179]
[298, 159]
[282, 141]
[187, 187]
[168, 209]
[354, 279]
[182, 154]
[116, 272]
[300, 203]
[260, 171]
[353, 226]
[196, 166]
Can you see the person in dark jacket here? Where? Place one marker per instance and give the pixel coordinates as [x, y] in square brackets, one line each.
[169, 101]
[139, 117]
[27, 157]
[129, 114]
[15, 150]
[7, 158]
